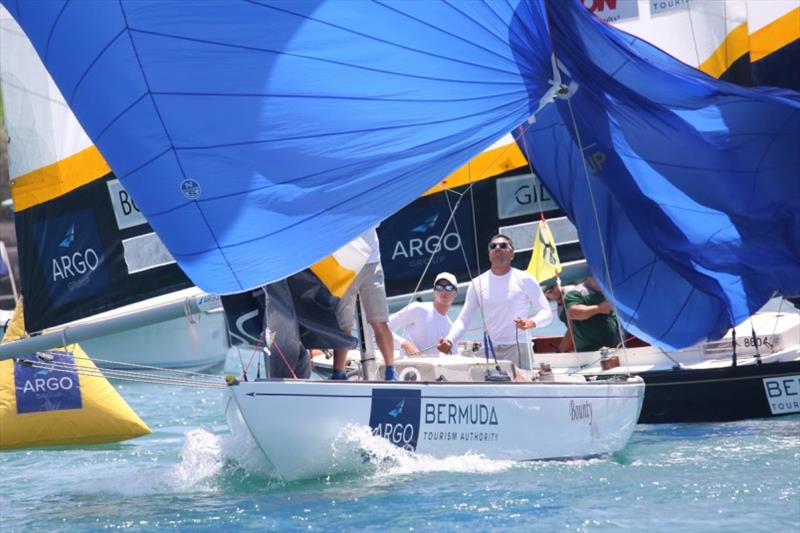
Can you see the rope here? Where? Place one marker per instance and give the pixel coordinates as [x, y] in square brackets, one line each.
[694, 36]
[125, 375]
[285, 361]
[777, 317]
[438, 243]
[591, 196]
[134, 365]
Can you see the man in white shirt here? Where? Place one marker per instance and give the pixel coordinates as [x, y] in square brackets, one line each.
[370, 286]
[422, 324]
[509, 300]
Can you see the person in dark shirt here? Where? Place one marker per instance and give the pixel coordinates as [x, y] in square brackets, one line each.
[591, 319]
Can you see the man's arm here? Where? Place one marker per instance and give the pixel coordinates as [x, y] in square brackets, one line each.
[542, 315]
[398, 322]
[579, 311]
[566, 344]
[461, 323]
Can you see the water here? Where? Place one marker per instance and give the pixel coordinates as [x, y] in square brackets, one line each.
[742, 476]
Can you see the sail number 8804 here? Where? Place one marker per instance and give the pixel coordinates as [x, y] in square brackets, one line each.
[751, 342]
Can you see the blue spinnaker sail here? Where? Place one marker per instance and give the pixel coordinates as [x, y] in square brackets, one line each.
[696, 181]
[258, 137]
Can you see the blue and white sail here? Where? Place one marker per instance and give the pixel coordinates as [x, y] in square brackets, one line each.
[258, 137]
[695, 182]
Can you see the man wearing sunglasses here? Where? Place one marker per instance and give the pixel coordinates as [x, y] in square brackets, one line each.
[422, 324]
[509, 300]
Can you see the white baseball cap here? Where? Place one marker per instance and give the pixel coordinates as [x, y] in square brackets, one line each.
[446, 276]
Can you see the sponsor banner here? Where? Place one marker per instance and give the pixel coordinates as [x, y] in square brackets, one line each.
[521, 195]
[395, 414]
[783, 394]
[409, 239]
[459, 420]
[613, 10]
[125, 211]
[75, 261]
[71, 257]
[661, 7]
[39, 389]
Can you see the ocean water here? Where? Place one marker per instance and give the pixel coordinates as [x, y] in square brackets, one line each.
[741, 476]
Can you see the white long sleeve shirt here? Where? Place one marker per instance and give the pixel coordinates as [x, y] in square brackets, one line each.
[421, 324]
[503, 298]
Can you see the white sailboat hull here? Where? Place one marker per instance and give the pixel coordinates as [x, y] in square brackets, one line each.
[175, 343]
[195, 340]
[296, 427]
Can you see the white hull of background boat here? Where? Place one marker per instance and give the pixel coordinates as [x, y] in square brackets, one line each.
[173, 344]
[195, 340]
[303, 429]
[701, 383]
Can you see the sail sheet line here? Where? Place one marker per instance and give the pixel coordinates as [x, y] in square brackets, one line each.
[136, 169]
[329, 61]
[402, 46]
[628, 318]
[52, 28]
[448, 33]
[89, 68]
[114, 120]
[361, 98]
[601, 240]
[209, 227]
[394, 127]
[487, 168]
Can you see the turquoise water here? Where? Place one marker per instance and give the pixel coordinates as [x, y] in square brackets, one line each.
[742, 476]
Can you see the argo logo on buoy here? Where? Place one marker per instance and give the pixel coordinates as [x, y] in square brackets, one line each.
[41, 389]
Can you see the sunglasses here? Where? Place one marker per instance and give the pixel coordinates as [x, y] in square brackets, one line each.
[501, 245]
[447, 288]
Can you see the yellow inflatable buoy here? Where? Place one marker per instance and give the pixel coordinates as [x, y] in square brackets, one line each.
[49, 407]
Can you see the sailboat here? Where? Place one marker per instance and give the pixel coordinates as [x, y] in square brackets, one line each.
[257, 138]
[87, 255]
[749, 372]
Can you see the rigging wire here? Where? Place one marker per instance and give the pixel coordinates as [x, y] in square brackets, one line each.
[438, 243]
[591, 195]
[542, 220]
[694, 36]
[453, 208]
[75, 355]
[140, 377]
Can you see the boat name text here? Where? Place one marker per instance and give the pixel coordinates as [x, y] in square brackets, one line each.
[580, 411]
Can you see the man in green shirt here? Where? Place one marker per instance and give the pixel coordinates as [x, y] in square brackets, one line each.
[591, 319]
